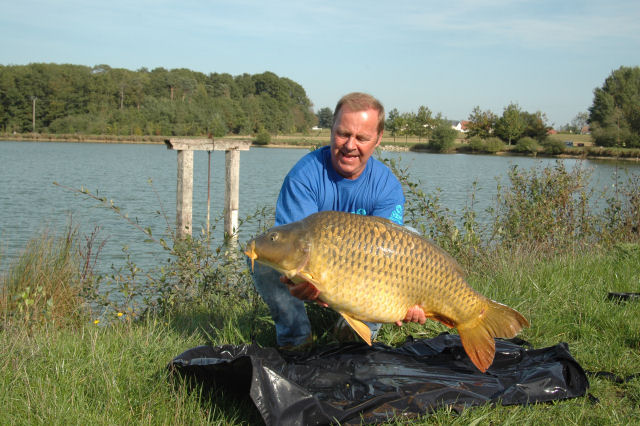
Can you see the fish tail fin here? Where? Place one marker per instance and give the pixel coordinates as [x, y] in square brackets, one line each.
[477, 335]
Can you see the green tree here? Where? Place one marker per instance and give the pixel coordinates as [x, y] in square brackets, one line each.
[536, 125]
[481, 123]
[106, 100]
[325, 118]
[511, 125]
[579, 121]
[245, 85]
[406, 121]
[424, 122]
[615, 114]
[392, 123]
[223, 85]
[443, 137]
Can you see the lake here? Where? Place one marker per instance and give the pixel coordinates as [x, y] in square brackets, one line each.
[141, 180]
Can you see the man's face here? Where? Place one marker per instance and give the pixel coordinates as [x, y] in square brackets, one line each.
[354, 137]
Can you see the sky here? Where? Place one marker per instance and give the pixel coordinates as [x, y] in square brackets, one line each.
[451, 56]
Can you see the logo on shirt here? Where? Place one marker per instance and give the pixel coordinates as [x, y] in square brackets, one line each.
[397, 214]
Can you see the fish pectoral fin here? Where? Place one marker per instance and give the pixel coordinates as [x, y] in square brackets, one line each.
[305, 276]
[361, 328]
[298, 269]
[291, 274]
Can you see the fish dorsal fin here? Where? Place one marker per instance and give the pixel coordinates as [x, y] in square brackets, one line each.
[361, 328]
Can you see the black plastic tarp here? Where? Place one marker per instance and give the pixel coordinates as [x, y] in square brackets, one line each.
[354, 383]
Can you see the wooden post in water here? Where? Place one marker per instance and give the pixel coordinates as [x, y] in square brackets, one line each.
[184, 194]
[231, 192]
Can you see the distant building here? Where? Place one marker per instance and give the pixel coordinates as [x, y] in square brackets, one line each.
[461, 126]
[585, 130]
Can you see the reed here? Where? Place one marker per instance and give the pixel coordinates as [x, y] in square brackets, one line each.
[45, 284]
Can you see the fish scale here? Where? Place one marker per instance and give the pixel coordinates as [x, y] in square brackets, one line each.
[370, 269]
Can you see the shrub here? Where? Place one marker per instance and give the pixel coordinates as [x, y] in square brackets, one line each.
[622, 214]
[70, 124]
[476, 144]
[543, 210]
[420, 147]
[493, 145]
[552, 147]
[527, 145]
[262, 138]
[546, 207]
[615, 137]
[442, 138]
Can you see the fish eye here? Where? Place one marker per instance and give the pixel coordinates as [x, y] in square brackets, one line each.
[273, 236]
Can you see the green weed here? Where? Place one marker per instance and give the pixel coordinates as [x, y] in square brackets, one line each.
[47, 282]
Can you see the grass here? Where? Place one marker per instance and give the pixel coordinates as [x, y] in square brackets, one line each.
[587, 140]
[58, 366]
[87, 373]
[104, 375]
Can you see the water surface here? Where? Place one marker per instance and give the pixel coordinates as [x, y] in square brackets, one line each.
[30, 202]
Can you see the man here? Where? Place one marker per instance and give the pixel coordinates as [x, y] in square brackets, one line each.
[341, 177]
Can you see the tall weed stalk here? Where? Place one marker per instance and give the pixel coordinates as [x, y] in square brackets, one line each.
[48, 282]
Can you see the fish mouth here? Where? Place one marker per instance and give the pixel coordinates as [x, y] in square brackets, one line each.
[250, 251]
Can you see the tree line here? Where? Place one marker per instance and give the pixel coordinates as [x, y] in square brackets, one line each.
[513, 125]
[64, 98]
[613, 119]
[100, 100]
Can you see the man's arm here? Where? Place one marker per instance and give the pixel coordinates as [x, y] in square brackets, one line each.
[390, 199]
[297, 200]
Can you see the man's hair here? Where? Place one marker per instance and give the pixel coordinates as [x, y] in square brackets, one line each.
[358, 101]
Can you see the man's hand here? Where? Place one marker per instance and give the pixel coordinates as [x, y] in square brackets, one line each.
[303, 291]
[415, 314]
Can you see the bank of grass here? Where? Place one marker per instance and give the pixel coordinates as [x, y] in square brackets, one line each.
[92, 374]
[106, 375]
[540, 258]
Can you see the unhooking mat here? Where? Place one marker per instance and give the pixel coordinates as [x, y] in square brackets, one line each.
[354, 383]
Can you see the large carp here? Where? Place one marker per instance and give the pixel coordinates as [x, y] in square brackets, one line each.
[370, 269]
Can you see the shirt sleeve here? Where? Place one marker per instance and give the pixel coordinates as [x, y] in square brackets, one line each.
[391, 201]
[296, 201]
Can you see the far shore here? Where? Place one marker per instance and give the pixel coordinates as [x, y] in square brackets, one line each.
[307, 142]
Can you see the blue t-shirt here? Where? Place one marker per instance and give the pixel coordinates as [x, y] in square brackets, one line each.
[313, 185]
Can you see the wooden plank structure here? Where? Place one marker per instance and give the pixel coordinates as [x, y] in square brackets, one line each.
[184, 194]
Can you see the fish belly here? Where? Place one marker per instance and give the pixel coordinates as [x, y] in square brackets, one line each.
[376, 271]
